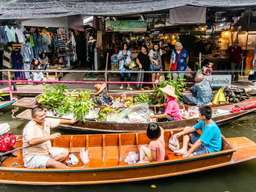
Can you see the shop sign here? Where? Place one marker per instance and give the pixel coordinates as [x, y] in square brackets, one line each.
[126, 26]
[219, 80]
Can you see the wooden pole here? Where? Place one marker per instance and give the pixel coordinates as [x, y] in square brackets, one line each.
[106, 70]
[10, 84]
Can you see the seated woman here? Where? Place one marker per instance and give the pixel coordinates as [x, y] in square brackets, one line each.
[172, 110]
[209, 141]
[155, 151]
[201, 92]
[102, 97]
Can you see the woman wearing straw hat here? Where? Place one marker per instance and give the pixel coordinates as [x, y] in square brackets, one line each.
[102, 97]
[172, 110]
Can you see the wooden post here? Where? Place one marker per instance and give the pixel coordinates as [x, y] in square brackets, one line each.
[10, 84]
[106, 70]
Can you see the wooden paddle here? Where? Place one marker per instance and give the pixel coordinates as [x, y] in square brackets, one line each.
[14, 150]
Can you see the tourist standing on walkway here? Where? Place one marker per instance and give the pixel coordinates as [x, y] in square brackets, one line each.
[156, 62]
[143, 62]
[179, 61]
[124, 58]
[235, 57]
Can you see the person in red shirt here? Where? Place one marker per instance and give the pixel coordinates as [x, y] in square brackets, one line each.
[235, 56]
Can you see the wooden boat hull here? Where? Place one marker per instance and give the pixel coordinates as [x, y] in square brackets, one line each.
[108, 127]
[245, 150]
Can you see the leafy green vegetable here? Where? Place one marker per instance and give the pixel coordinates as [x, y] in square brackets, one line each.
[142, 98]
[179, 85]
[52, 96]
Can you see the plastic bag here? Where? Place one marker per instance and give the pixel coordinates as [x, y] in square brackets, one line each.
[72, 160]
[139, 113]
[132, 158]
[93, 114]
[4, 128]
[84, 156]
[174, 144]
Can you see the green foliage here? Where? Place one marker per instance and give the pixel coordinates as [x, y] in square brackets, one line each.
[179, 85]
[52, 96]
[60, 100]
[142, 98]
[104, 112]
[83, 103]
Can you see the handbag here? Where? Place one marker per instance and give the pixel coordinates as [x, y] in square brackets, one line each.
[173, 66]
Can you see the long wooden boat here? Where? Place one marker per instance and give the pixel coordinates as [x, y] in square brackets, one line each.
[113, 127]
[4, 104]
[106, 161]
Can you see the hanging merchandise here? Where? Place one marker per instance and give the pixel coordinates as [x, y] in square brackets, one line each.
[20, 35]
[27, 55]
[17, 63]
[3, 36]
[11, 34]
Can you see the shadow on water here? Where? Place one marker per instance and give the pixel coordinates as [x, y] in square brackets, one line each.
[237, 178]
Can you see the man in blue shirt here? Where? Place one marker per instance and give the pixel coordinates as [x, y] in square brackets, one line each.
[179, 61]
[210, 139]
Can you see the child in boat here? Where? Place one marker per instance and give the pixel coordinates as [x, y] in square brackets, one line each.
[172, 110]
[155, 151]
[209, 141]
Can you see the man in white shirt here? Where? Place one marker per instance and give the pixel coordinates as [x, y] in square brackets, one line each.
[36, 135]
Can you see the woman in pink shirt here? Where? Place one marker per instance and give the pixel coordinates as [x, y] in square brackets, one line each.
[172, 110]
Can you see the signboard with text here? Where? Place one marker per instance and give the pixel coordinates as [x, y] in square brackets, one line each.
[126, 26]
[219, 80]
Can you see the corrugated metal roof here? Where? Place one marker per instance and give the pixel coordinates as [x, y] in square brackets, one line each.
[57, 8]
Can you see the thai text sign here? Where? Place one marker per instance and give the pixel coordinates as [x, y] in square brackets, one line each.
[219, 80]
[126, 26]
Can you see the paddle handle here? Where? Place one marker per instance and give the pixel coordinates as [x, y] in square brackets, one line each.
[13, 150]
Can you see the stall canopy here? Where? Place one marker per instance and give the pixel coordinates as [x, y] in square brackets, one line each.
[20, 9]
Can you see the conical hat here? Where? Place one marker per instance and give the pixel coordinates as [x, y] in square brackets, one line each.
[169, 90]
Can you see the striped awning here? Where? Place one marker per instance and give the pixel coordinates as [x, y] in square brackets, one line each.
[21, 9]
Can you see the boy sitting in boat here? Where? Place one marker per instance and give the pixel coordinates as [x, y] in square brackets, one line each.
[172, 110]
[155, 151]
[209, 141]
[37, 150]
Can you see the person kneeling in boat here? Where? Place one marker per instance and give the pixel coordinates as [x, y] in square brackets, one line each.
[37, 149]
[172, 110]
[102, 97]
[201, 92]
[209, 141]
[155, 151]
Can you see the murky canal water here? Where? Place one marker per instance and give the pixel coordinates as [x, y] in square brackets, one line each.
[241, 178]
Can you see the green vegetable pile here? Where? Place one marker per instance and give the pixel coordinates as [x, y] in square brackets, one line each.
[142, 98]
[105, 111]
[58, 99]
[179, 86]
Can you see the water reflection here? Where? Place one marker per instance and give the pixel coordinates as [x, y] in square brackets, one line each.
[230, 179]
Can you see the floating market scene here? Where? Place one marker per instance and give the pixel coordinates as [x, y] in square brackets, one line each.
[115, 95]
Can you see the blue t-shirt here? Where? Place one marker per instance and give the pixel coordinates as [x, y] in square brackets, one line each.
[211, 136]
[180, 59]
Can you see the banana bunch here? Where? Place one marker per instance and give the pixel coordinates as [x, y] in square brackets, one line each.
[219, 97]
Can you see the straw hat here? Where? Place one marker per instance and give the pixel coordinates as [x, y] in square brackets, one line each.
[169, 90]
[100, 87]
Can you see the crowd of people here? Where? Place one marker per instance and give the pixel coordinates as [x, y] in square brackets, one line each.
[149, 60]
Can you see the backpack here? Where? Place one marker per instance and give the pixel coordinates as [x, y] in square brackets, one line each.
[7, 139]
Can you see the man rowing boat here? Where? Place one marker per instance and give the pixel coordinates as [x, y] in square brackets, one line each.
[36, 135]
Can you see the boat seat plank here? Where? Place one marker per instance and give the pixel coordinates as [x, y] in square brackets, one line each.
[245, 149]
[63, 141]
[77, 142]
